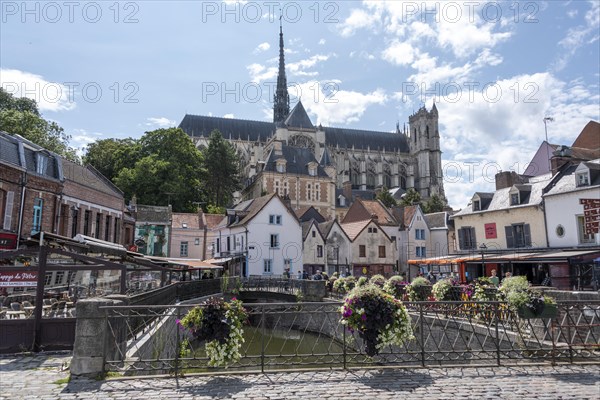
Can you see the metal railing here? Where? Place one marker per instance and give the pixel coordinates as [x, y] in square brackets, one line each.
[310, 335]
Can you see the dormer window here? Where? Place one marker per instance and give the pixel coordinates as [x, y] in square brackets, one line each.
[476, 205]
[514, 199]
[281, 166]
[583, 178]
[41, 164]
[312, 169]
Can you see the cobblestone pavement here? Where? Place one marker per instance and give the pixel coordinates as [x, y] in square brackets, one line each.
[46, 377]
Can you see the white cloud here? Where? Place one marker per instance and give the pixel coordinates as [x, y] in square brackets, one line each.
[300, 66]
[322, 42]
[358, 19]
[50, 96]
[229, 116]
[262, 47]
[161, 122]
[260, 73]
[399, 53]
[80, 138]
[333, 106]
[503, 134]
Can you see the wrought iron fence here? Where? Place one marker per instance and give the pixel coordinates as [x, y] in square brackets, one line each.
[310, 335]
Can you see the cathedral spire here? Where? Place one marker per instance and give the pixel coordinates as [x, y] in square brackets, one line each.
[281, 101]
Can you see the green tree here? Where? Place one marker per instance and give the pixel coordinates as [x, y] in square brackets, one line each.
[20, 116]
[435, 203]
[411, 197]
[386, 198]
[222, 175]
[169, 167]
[110, 156]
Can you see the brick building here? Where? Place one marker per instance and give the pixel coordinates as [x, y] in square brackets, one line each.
[30, 183]
[40, 191]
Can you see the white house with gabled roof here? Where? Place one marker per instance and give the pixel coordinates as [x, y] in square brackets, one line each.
[260, 237]
[567, 202]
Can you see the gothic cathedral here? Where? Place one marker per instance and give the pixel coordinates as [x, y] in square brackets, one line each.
[315, 165]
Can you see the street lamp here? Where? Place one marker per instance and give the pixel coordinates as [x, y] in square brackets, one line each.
[483, 248]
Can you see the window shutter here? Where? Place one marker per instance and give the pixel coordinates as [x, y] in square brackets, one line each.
[473, 244]
[527, 234]
[510, 240]
[461, 238]
[10, 198]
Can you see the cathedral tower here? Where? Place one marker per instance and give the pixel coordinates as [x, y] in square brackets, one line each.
[425, 147]
[281, 100]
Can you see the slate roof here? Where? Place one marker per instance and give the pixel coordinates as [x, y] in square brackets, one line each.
[247, 210]
[501, 198]
[240, 129]
[155, 214]
[22, 153]
[306, 228]
[363, 139]
[297, 161]
[254, 131]
[325, 158]
[485, 198]
[89, 177]
[404, 215]
[298, 118]
[567, 183]
[437, 220]
[325, 227]
[308, 213]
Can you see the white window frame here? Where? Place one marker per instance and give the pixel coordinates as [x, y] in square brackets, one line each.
[267, 266]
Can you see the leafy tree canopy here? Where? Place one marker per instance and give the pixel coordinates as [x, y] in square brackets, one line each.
[110, 156]
[20, 116]
[435, 203]
[386, 198]
[169, 167]
[411, 197]
[222, 170]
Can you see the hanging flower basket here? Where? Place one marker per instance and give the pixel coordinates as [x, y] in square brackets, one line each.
[395, 286]
[219, 324]
[419, 289]
[527, 303]
[379, 318]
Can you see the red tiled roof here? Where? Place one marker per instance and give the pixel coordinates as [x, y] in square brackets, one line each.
[353, 229]
[376, 208]
[213, 220]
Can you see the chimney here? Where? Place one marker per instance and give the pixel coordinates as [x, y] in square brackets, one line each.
[347, 191]
[506, 179]
[287, 201]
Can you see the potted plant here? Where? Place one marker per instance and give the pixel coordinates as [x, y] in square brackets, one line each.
[377, 280]
[419, 289]
[395, 286]
[446, 290]
[526, 302]
[219, 324]
[379, 318]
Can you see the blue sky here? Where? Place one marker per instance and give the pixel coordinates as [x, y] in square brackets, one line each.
[495, 69]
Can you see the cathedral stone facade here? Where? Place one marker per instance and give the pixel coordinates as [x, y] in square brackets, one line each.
[291, 154]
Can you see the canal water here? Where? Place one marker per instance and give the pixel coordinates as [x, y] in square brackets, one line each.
[283, 349]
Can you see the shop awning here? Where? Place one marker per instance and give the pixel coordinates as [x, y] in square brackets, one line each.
[218, 261]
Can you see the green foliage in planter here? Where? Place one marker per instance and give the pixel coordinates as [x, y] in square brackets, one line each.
[419, 289]
[377, 280]
[362, 281]
[395, 286]
[380, 319]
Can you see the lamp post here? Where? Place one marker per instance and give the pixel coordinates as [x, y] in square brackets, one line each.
[483, 248]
